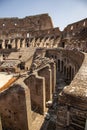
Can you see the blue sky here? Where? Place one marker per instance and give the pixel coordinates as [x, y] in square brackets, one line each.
[62, 12]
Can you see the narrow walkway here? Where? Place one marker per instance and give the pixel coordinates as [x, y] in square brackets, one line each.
[37, 123]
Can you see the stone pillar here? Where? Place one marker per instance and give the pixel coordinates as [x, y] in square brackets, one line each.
[1, 58]
[54, 77]
[42, 43]
[36, 85]
[23, 43]
[15, 106]
[13, 43]
[50, 74]
[33, 42]
[9, 41]
[28, 106]
[3, 44]
[53, 68]
[43, 93]
[46, 72]
[18, 44]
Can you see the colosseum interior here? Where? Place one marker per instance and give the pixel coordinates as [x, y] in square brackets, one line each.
[43, 74]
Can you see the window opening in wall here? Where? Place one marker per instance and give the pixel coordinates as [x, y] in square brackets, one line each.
[77, 25]
[38, 21]
[6, 45]
[9, 46]
[0, 46]
[52, 56]
[20, 56]
[22, 65]
[21, 44]
[15, 24]
[63, 44]
[28, 35]
[27, 44]
[3, 24]
[3, 55]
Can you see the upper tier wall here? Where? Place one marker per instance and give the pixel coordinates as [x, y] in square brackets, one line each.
[75, 27]
[31, 23]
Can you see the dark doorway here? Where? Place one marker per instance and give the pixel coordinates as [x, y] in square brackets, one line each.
[9, 46]
[63, 44]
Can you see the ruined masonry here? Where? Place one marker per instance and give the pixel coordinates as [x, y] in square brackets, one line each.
[39, 65]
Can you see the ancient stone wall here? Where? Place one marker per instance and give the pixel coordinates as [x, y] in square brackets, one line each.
[66, 61]
[73, 101]
[15, 27]
[40, 89]
[47, 74]
[36, 85]
[15, 107]
[74, 36]
[47, 39]
[75, 27]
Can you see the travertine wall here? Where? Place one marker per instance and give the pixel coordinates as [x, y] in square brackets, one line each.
[16, 27]
[42, 85]
[66, 61]
[36, 85]
[47, 74]
[75, 27]
[47, 39]
[74, 36]
[15, 107]
[72, 101]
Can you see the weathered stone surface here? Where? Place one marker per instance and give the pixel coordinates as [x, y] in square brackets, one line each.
[48, 65]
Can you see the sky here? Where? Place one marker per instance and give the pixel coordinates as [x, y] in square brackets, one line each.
[62, 12]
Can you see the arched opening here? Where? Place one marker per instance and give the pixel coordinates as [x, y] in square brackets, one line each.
[6, 46]
[9, 46]
[63, 44]
[21, 66]
[0, 46]
[27, 45]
